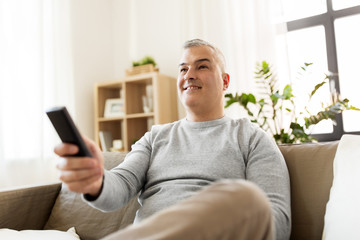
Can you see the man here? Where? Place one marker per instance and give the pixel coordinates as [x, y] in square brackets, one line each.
[203, 177]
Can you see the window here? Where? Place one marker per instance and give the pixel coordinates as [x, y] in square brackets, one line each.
[326, 33]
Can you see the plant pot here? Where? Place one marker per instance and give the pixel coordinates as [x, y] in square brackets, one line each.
[141, 69]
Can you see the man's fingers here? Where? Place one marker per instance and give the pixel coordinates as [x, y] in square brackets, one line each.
[79, 175]
[76, 163]
[65, 149]
[86, 185]
[94, 148]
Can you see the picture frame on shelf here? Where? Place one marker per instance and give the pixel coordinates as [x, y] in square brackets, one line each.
[117, 145]
[114, 107]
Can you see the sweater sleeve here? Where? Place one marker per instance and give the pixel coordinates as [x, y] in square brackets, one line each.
[125, 181]
[266, 167]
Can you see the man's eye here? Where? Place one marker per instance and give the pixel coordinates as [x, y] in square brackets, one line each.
[203, 66]
[183, 69]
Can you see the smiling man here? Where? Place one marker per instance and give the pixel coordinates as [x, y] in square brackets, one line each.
[206, 176]
[202, 81]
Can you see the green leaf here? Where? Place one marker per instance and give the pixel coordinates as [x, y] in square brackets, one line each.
[243, 100]
[267, 76]
[354, 108]
[265, 67]
[317, 86]
[287, 93]
[261, 102]
[251, 98]
[275, 98]
[306, 65]
[148, 60]
[230, 99]
[135, 64]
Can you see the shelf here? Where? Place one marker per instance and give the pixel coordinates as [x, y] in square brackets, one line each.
[140, 115]
[143, 77]
[161, 93]
[112, 84]
[103, 119]
[134, 115]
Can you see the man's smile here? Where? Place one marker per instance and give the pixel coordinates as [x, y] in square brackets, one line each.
[191, 88]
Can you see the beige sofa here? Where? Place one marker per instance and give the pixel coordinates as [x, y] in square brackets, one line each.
[53, 207]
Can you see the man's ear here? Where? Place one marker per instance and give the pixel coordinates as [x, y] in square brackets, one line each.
[226, 80]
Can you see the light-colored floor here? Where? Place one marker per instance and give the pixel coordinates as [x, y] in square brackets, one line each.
[29, 173]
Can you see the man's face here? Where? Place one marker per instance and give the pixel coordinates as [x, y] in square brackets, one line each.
[200, 82]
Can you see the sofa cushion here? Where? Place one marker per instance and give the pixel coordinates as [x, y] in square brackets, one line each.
[343, 209]
[71, 211]
[10, 234]
[311, 173]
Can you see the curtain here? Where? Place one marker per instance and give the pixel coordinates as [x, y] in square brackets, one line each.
[35, 74]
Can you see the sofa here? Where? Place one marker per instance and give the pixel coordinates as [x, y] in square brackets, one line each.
[53, 207]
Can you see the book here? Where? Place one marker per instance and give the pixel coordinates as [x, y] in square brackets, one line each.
[105, 140]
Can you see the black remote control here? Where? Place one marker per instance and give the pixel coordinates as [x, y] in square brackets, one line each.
[66, 129]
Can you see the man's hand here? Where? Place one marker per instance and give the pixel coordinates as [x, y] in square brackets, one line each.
[81, 174]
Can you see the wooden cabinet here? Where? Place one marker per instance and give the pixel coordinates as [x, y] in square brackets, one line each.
[158, 89]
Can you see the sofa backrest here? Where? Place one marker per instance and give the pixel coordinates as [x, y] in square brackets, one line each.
[311, 173]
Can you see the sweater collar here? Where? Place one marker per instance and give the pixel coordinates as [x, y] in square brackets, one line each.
[206, 124]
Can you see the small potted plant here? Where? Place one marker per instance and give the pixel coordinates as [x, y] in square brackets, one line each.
[146, 64]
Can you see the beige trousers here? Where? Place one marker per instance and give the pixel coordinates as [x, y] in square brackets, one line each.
[226, 210]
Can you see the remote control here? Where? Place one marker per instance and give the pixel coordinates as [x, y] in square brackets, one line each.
[66, 129]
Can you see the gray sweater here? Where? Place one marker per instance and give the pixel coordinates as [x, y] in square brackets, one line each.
[173, 161]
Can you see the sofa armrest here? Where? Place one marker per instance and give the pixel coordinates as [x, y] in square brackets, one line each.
[27, 208]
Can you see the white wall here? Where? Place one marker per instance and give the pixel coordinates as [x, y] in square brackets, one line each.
[93, 57]
[156, 31]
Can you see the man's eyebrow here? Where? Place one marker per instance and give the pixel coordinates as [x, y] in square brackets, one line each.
[197, 61]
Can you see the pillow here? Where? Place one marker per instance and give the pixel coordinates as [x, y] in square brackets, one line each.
[310, 167]
[70, 210]
[342, 215]
[10, 234]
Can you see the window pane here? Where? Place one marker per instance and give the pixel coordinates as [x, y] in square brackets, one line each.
[348, 51]
[341, 4]
[308, 45]
[295, 9]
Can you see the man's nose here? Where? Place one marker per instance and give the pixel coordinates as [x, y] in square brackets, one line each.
[190, 74]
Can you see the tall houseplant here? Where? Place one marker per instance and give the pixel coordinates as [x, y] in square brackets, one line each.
[268, 111]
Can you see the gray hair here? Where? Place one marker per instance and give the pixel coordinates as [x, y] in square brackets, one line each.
[200, 42]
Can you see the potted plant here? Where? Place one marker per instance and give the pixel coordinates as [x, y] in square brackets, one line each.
[270, 108]
[146, 64]
[144, 61]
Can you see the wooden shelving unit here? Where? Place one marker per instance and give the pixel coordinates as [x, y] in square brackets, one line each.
[135, 122]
